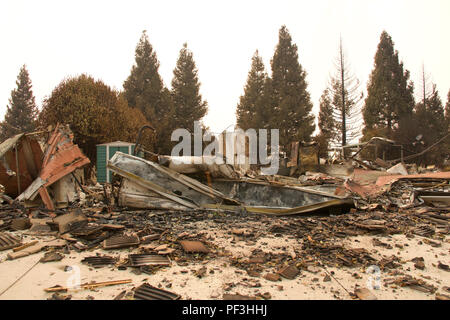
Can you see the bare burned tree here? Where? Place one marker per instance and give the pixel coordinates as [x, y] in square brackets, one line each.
[425, 86]
[345, 97]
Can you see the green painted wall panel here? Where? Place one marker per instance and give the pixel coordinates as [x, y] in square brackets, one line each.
[124, 150]
[102, 160]
[112, 151]
[101, 164]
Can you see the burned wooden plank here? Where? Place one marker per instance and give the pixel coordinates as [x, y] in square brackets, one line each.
[413, 283]
[112, 227]
[36, 248]
[89, 286]
[150, 237]
[26, 245]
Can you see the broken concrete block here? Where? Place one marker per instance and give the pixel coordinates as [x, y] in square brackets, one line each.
[398, 169]
[51, 256]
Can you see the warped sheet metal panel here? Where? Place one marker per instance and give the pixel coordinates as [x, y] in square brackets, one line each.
[8, 241]
[148, 292]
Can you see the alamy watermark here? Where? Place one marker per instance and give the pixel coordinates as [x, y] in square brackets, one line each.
[374, 280]
[74, 280]
[235, 148]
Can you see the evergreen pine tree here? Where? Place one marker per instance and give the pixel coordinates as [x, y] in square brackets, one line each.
[446, 145]
[432, 126]
[266, 116]
[431, 111]
[22, 112]
[250, 109]
[291, 100]
[327, 124]
[389, 94]
[187, 100]
[447, 111]
[144, 89]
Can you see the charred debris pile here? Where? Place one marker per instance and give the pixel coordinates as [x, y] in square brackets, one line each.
[50, 207]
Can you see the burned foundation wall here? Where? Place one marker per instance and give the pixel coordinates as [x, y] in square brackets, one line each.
[253, 194]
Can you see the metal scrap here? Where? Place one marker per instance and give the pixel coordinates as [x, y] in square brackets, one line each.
[99, 261]
[148, 292]
[60, 159]
[8, 241]
[24, 246]
[87, 230]
[137, 260]
[289, 272]
[153, 186]
[20, 162]
[121, 241]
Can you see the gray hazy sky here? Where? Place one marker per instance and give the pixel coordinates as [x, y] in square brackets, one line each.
[56, 39]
